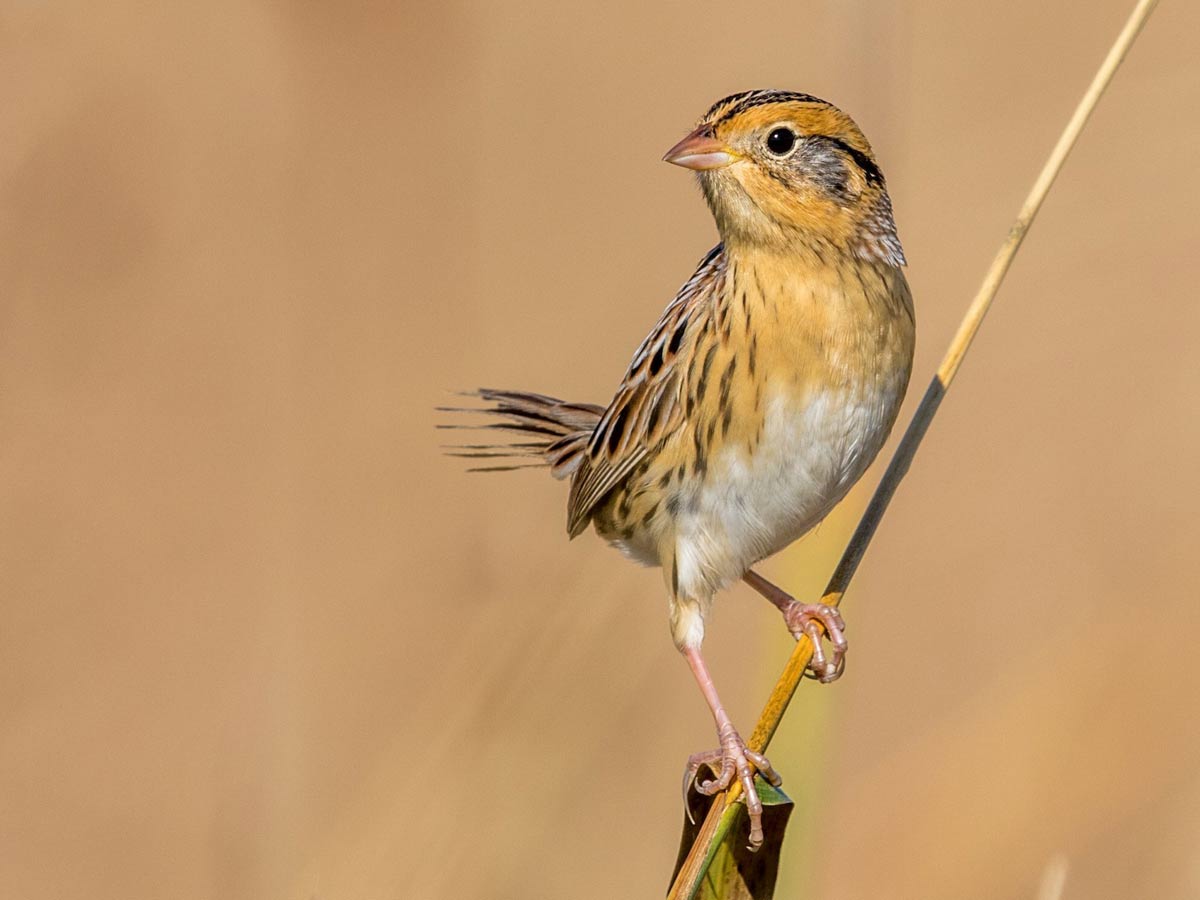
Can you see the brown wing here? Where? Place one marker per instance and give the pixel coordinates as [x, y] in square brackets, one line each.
[648, 406]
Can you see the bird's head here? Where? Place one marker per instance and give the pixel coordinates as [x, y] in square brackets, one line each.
[779, 168]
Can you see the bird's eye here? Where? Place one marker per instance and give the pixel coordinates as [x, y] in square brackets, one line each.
[781, 141]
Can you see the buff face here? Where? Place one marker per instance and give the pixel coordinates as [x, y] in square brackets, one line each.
[793, 169]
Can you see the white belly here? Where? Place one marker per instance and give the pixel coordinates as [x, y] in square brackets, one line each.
[753, 505]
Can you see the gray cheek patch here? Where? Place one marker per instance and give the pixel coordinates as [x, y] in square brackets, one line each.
[825, 167]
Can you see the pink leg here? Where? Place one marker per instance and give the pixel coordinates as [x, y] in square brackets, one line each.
[735, 757]
[811, 619]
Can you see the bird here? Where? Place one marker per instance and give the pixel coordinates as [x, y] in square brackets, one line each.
[760, 397]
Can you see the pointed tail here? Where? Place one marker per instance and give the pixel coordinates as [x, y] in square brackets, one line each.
[557, 431]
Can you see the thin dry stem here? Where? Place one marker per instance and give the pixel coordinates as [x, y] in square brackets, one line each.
[694, 867]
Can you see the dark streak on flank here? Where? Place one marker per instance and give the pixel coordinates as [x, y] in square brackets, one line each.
[697, 396]
[727, 382]
[674, 561]
[649, 515]
[700, 463]
[708, 361]
[624, 507]
[753, 353]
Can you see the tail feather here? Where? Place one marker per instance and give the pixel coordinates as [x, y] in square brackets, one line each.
[563, 430]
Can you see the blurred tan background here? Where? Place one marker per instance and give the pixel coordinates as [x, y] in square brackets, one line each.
[260, 640]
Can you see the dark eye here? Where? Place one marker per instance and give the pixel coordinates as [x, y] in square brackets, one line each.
[781, 141]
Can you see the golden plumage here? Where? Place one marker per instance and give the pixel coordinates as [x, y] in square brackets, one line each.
[764, 391]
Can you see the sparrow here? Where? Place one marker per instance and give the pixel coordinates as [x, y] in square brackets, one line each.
[760, 396]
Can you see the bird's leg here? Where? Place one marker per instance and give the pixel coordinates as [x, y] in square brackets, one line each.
[810, 619]
[735, 758]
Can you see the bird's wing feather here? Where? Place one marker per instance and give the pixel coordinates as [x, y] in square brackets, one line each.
[648, 406]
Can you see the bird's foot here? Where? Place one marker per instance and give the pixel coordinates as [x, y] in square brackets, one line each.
[814, 620]
[817, 620]
[733, 759]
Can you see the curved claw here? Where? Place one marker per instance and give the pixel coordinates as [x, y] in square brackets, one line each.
[816, 620]
[710, 786]
[695, 762]
[737, 760]
[688, 777]
[720, 783]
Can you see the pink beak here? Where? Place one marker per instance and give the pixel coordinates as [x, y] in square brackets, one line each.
[700, 151]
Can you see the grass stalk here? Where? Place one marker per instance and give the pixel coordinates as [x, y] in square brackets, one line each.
[692, 871]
